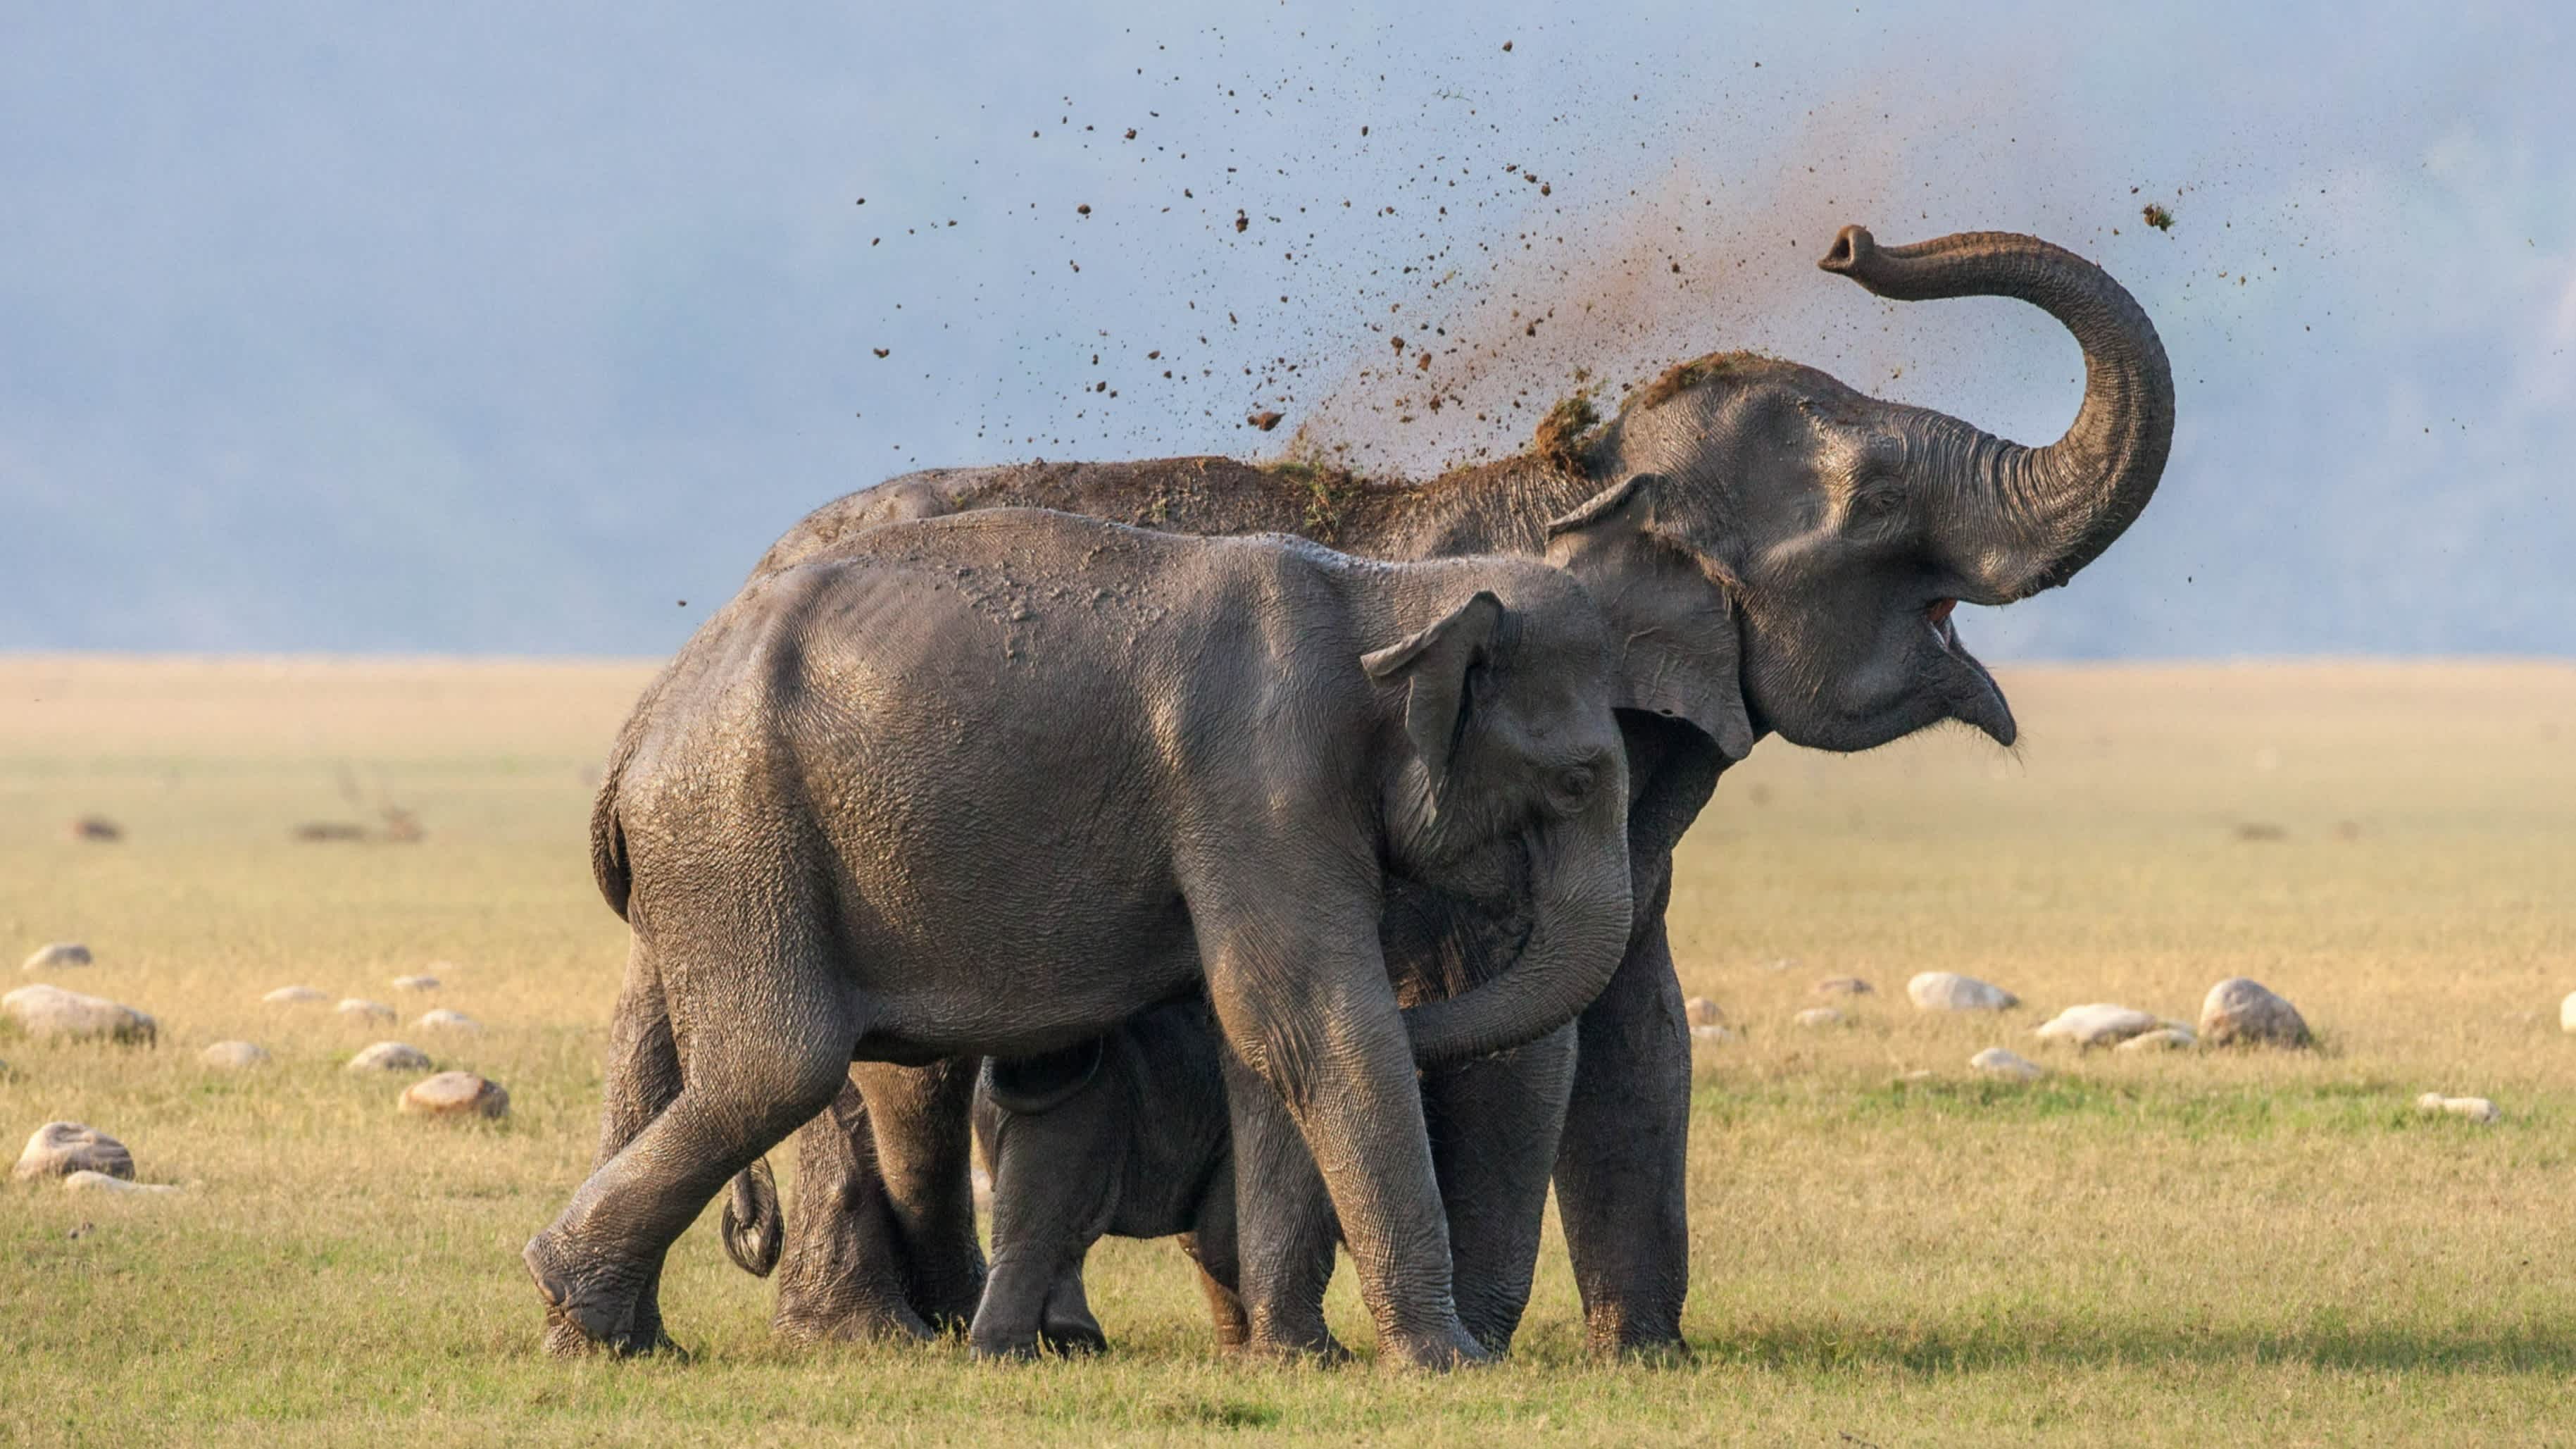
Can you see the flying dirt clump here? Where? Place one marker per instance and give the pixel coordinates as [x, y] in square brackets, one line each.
[1568, 430]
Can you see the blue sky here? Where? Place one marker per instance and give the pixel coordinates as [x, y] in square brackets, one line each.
[504, 328]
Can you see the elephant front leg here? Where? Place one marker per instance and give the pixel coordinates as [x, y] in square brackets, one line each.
[1494, 1128]
[1313, 1014]
[841, 1275]
[1620, 1170]
[1284, 1233]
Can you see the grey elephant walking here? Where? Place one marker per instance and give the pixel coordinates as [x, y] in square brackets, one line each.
[995, 783]
[1837, 532]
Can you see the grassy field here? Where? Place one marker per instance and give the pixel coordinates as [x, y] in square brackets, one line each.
[2193, 1248]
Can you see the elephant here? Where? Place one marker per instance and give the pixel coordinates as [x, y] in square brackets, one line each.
[991, 784]
[1837, 531]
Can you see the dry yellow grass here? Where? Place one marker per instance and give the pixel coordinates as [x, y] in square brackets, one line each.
[2199, 1247]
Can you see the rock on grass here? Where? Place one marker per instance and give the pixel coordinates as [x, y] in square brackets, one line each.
[232, 1054]
[1950, 991]
[1815, 1016]
[2476, 1109]
[59, 1148]
[1998, 1062]
[1843, 986]
[2099, 1024]
[390, 1056]
[361, 1007]
[101, 1182]
[294, 996]
[2239, 1010]
[50, 1011]
[2162, 1039]
[444, 1019]
[456, 1094]
[57, 956]
[415, 983]
[2567, 1013]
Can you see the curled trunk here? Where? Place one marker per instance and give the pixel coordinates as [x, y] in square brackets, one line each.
[2030, 517]
[1582, 911]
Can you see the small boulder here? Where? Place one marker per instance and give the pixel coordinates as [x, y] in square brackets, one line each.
[294, 996]
[66, 1147]
[50, 1011]
[415, 983]
[1998, 1062]
[2239, 1010]
[443, 1019]
[101, 1182]
[359, 1006]
[98, 828]
[2100, 1024]
[1950, 991]
[1843, 986]
[232, 1054]
[1818, 1016]
[2476, 1109]
[2567, 1013]
[2162, 1039]
[456, 1094]
[390, 1056]
[1707, 1023]
[58, 956]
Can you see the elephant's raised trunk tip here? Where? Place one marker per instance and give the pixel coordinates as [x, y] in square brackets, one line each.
[1850, 253]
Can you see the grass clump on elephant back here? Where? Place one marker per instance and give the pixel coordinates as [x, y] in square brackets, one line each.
[1569, 430]
[1330, 488]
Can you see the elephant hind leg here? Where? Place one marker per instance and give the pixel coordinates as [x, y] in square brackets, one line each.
[843, 1275]
[643, 1076]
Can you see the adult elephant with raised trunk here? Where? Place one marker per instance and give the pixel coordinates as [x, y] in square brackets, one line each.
[1834, 531]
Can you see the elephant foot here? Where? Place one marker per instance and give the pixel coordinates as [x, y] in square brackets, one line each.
[1074, 1338]
[1613, 1335]
[1437, 1351]
[606, 1310]
[1319, 1348]
[810, 1322]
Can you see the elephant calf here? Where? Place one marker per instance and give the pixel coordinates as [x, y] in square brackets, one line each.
[993, 783]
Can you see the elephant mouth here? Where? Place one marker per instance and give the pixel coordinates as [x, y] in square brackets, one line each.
[1975, 698]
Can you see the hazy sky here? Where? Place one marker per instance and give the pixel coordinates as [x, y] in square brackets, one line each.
[507, 327]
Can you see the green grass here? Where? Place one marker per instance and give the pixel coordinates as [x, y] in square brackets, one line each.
[2190, 1248]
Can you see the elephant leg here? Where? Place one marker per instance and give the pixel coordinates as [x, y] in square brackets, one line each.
[1066, 1324]
[1619, 1172]
[1494, 1126]
[596, 1261]
[841, 1275]
[925, 1153]
[1284, 1231]
[1211, 1244]
[1055, 1185]
[643, 1077]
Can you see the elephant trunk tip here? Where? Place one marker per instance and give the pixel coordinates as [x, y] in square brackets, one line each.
[1851, 252]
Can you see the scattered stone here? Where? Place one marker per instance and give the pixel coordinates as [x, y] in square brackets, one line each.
[232, 1054]
[371, 1010]
[59, 955]
[66, 1147]
[415, 983]
[325, 831]
[2162, 1039]
[1818, 1016]
[2239, 1010]
[1950, 991]
[456, 1094]
[2100, 1024]
[50, 1011]
[1843, 986]
[443, 1019]
[2567, 1013]
[1701, 1011]
[98, 828]
[293, 996]
[2006, 1064]
[101, 1182]
[390, 1056]
[2260, 832]
[2476, 1109]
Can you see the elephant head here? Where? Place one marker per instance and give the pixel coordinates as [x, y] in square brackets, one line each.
[1511, 791]
[1842, 529]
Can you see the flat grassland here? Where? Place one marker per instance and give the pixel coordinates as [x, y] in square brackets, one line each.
[2198, 1247]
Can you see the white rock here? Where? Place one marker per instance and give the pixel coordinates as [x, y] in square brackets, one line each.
[2099, 1024]
[415, 983]
[232, 1054]
[50, 1011]
[2476, 1109]
[2162, 1039]
[443, 1019]
[57, 956]
[371, 1010]
[2567, 1013]
[2239, 1010]
[1818, 1016]
[1700, 1011]
[293, 996]
[1950, 991]
[62, 1147]
[2006, 1064]
[1843, 986]
[456, 1094]
[390, 1056]
[101, 1182]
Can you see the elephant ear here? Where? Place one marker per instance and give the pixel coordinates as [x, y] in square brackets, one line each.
[1680, 652]
[1434, 665]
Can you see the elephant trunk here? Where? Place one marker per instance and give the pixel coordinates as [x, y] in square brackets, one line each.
[1581, 908]
[2033, 516]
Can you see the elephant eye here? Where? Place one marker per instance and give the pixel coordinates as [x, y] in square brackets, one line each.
[1573, 785]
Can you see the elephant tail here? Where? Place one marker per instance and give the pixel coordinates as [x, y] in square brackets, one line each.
[752, 1226]
[608, 864]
